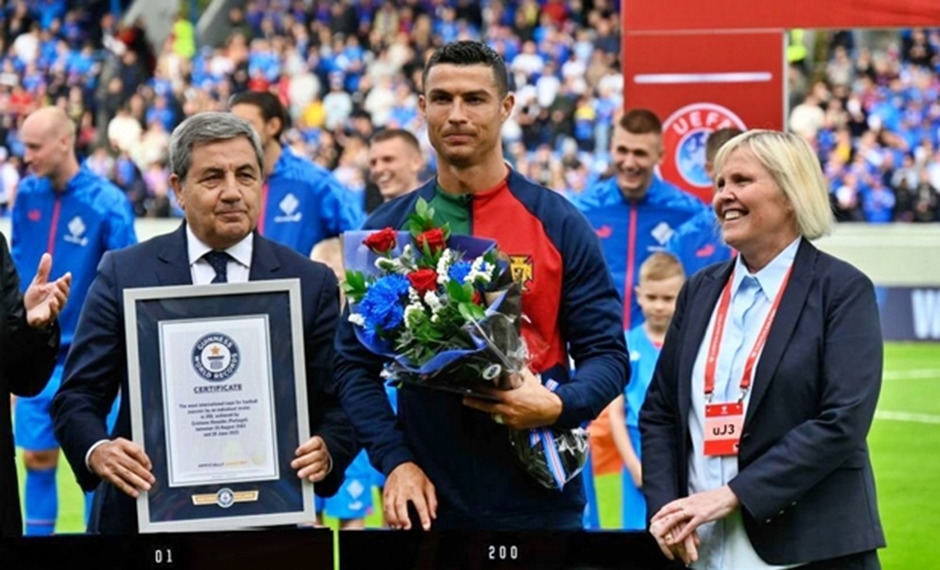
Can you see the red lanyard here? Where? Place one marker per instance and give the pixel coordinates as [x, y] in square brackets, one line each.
[718, 332]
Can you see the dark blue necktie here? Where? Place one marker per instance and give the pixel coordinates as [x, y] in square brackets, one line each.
[219, 262]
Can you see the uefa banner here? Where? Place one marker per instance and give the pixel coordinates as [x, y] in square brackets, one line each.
[738, 81]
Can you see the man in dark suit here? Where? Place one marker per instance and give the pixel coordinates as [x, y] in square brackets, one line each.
[216, 165]
[29, 343]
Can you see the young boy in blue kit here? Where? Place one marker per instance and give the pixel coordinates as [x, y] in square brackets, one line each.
[661, 277]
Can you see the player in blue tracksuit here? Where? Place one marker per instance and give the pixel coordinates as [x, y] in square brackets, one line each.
[634, 213]
[74, 214]
[302, 203]
[697, 243]
[631, 229]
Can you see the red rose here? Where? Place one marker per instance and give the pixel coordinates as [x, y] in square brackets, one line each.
[381, 241]
[423, 280]
[434, 238]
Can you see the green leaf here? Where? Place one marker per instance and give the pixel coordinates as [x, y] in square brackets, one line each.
[421, 207]
[458, 293]
[471, 312]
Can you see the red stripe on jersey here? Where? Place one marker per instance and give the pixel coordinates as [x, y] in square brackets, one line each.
[536, 264]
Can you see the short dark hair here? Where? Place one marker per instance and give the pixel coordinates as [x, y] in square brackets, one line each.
[268, 103]
[641, 122]
[717, 138]
[469, 52]
[389, 134]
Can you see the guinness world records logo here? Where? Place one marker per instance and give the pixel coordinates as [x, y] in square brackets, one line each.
[684, 136]
[215, 357]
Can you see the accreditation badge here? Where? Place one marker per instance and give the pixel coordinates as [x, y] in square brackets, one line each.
[723, 424]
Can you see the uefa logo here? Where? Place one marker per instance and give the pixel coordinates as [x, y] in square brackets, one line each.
[215, 357]
[684, 136]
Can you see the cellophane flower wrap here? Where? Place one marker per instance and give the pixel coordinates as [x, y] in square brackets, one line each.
[446, 313]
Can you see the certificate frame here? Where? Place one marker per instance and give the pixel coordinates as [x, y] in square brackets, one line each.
[265, 319]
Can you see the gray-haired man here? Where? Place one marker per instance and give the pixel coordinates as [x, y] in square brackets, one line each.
[216, 167]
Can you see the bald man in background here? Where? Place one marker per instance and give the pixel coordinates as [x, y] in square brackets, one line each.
[65, 209]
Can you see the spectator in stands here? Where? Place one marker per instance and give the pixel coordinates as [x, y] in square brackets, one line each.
[926, 200]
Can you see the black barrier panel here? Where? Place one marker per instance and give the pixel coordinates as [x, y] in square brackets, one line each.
[452, 550]
[241, 550]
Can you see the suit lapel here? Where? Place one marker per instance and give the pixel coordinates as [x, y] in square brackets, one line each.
[173, 268]
[701, 305]
[788, 314]
[264, 261]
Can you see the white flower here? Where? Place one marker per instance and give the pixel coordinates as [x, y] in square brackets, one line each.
[411, 313]
[357, 319]
[413, 296]
[434, 302]
[443, 266]
[479, 271]
[407, 252]
[388, 265]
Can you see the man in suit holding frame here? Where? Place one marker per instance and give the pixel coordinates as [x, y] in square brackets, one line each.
[216, 164]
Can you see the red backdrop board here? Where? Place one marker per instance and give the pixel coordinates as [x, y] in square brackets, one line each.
[750, 14]
[701, 81]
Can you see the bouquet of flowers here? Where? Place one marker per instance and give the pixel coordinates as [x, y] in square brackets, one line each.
[446, 313]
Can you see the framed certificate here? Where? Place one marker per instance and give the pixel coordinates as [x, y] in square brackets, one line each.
[218, 401]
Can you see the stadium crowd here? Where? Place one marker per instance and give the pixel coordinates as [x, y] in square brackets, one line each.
[350, 67]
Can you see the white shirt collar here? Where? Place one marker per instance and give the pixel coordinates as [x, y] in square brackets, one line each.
[240, 252]
[771, 276]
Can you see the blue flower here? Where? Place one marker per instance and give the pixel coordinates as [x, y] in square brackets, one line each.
[458, 272]
[381, 306]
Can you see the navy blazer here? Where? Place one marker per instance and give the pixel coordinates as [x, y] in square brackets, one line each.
[96, 368]
[805, 480]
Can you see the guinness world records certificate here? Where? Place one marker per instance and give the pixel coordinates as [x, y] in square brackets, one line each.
[218, 400]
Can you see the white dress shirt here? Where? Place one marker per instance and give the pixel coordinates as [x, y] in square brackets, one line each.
[725, 545]
[239, 262]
